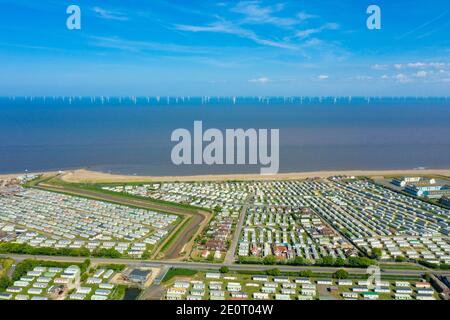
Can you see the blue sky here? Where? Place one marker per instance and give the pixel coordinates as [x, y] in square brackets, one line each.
[157, 47]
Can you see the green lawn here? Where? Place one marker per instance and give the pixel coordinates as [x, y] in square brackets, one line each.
[174, 236]
[174, 272]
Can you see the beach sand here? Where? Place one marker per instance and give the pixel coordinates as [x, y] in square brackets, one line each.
[83, 175]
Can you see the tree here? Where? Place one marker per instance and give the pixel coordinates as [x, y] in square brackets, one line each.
[224, 269]
[109, 253]
[270, 259]
[298, 261]
[340, 274]
[444, 266]
[5, 282]
[339, 262]
[85, 265]
[360, 262]
[326, 261]
[84, 277]
[146, 255]
[376, 254]
[273, 272]
[306, 273]
[429, 264]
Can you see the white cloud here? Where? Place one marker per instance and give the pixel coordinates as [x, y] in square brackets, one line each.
[250, 13]
[260, 80]
[230, 28]
[380, 66]
[254, 9]
[308, 32]
[421, 74]
[418, 65]
[303, 16]
[402, 78]
[363, 78]
[437, 65]
[255, 13]
[109, 15]
[323, 77]
[140, 46]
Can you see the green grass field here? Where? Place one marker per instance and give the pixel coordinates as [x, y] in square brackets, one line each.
[174, 272]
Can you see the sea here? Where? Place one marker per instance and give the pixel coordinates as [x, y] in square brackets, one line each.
[131, 135]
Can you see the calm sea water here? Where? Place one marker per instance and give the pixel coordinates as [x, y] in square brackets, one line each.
[132, 136]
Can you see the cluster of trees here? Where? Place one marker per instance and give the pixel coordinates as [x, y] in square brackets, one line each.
[442, 266]
[328, 261]
[19, 248]
[376, 254]
[146, 255]
[273, 272]
[340, 274]
[106, 253]
[224, 269]
[331, 261]
[5, 282]
[306, 274]
[430, 265]
[352, 262]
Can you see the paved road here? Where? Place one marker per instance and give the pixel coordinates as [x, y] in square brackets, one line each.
[229, 258]
[156, 290]
[185, 236]
[216, 266]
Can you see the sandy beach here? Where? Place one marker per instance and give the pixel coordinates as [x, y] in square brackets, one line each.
[83, 175]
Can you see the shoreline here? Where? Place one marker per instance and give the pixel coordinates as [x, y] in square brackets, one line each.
[88, 176]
